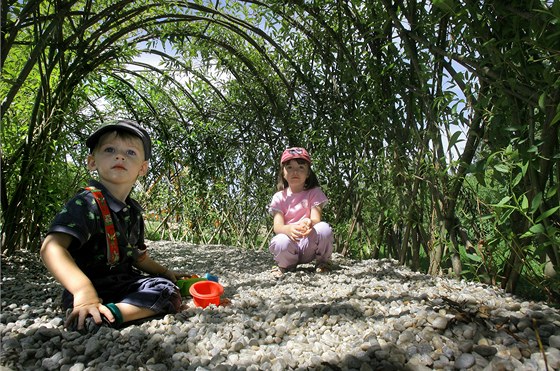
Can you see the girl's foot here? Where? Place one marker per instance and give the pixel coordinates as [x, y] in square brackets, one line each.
[278, 272]
[323, 268]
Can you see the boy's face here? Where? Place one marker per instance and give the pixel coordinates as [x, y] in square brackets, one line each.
[118, 159]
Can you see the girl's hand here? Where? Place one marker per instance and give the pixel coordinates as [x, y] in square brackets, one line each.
[298, 231]
[307, 222]
[306, 226]
[293, 232]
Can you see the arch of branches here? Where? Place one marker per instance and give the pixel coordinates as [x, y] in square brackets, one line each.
[433, 126]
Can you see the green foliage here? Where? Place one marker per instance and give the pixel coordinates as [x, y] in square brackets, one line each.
[433, 129]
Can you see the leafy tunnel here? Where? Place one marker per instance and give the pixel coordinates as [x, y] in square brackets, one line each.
[433, 125]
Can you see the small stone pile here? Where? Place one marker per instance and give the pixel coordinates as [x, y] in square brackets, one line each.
[363, 315]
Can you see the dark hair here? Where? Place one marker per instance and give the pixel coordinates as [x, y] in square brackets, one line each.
[310, 182]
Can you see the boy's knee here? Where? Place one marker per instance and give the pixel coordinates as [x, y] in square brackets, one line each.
[173, 295]
[175, 302]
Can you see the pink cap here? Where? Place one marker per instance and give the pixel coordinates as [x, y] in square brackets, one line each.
[295, 152]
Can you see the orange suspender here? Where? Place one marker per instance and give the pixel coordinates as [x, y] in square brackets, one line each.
[112, 243]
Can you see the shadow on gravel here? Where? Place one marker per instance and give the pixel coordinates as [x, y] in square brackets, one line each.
[378, 294]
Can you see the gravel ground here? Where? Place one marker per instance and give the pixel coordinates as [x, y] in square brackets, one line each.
[363, 315]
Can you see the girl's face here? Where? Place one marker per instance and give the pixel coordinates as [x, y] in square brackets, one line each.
[296, 174]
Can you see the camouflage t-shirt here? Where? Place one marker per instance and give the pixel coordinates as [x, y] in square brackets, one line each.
[81, 218]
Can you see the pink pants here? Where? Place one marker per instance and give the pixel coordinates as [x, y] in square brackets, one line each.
[318, 246]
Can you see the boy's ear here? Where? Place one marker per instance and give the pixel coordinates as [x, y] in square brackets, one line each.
[91, 163]
[144, 168]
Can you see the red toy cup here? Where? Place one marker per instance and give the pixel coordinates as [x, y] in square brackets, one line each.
[205, 293]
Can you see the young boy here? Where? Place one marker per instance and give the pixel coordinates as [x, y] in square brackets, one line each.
[102, 279]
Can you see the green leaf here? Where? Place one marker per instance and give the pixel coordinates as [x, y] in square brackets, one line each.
[547, 213]
[446, 5]
[537, 200]
[525, 203]
[474, 257]
[556, 117]
[504, 201]
[524, 168]
[552, 191]
[502, 168]
[537, 228]
[454, 139]
[527, 234]
[533, 149]
[517, 179]
[542, 104]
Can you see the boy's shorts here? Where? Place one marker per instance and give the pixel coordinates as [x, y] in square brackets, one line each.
[155, 293]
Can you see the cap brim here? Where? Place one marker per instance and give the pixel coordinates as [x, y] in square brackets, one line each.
[93, 139]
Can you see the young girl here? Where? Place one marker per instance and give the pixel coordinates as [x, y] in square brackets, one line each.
[301, 236]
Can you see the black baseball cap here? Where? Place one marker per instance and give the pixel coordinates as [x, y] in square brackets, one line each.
[122, 125]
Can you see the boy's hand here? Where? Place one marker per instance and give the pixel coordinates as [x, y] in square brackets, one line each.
[154, 268]
[87, 303]
[174, 276]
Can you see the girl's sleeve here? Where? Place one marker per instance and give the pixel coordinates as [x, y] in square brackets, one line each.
[318, 198]
[275, 204]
